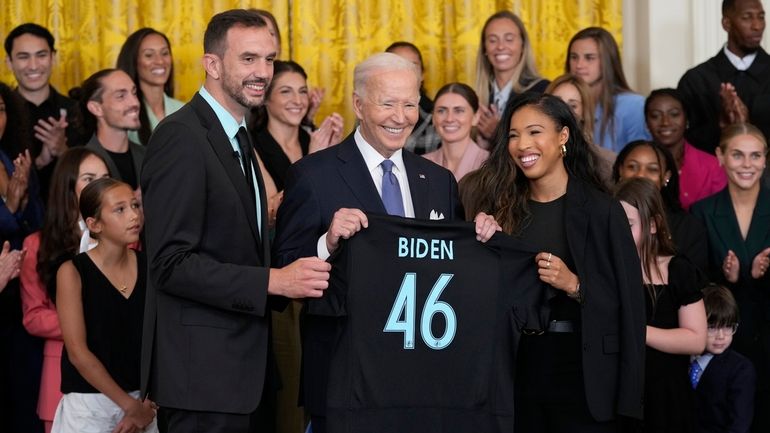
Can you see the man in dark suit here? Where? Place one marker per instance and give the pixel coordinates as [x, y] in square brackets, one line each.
[734, 85]
[207, 243]
[328, 192]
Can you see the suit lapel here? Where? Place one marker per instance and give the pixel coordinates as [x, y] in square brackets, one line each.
[220, 143]
[576, 219]
[356, 175]
[418, 186]
[724, 216]
[759, 230]
[262, 197]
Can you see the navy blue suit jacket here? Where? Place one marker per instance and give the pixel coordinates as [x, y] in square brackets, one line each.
[316, 187]
[724, 397]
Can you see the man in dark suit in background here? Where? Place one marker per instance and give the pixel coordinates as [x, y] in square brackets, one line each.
[734, 85]
[207, 243]
[328, 192]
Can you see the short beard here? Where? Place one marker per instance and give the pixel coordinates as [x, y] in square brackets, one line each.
[235, 90]
[750, 50]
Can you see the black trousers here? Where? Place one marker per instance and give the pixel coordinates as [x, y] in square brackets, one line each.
[549, 391]
[262, 420]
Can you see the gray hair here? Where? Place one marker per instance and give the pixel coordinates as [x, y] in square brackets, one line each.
[378, 63]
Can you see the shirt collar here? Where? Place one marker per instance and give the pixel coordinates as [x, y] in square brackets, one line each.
[53, 97]
[740, 63]
[229, 124]
[502, 95]
[703, 360]
[372, 158]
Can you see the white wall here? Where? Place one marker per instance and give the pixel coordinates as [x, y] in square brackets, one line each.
[662, 39]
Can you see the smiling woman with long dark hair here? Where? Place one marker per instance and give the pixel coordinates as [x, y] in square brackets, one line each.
[146, 58]
[541, 185]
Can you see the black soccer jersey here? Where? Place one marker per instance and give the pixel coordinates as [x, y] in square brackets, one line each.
[431, 321]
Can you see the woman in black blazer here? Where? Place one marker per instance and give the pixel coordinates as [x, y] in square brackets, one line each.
[738, 223]
[540, 183]
[277, 125]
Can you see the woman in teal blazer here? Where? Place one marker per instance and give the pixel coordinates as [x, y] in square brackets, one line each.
[738, 223]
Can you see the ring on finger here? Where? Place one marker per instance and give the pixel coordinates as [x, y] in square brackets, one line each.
[549, 257]
[548, 265]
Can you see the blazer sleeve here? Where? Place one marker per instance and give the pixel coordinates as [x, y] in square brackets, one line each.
[740, 397]
[632, 314]
[702, 115]
[40, 318]
[299, 221]
[175, 188]
[456, 203]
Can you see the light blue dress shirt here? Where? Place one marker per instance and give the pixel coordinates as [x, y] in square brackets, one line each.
[231, 126]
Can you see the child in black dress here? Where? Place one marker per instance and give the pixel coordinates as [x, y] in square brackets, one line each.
[676, 318]
[100, 302]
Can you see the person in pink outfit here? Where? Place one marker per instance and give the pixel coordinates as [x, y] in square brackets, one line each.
[699, 172]
[61, 237]
[455, 114]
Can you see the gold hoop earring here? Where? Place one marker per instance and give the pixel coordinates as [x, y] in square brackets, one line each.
[563, 150]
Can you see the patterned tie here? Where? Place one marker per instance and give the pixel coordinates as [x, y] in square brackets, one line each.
[391, 190]
[695, 372]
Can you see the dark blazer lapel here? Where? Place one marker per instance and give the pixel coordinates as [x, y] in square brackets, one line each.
[759, 67]
[262, 197]
[759, 231]
[224, 151]
[724, 69]
[576, 220]
[724, 216]
[356, 176]
[137, 155]
[418, 186]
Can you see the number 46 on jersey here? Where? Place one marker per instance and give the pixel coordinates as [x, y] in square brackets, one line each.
[402, 315]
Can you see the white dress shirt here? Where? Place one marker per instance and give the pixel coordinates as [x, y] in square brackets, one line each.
[373, 159]
[740, 63]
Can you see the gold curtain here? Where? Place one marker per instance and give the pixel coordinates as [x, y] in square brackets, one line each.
[89, 33]
[327, 38]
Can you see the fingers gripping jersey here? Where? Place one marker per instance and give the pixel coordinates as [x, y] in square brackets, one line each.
[430, 323]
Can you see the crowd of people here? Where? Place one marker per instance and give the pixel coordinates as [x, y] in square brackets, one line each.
[156, 253]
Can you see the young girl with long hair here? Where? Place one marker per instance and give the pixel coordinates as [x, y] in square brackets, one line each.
[676, 317]
[63, 235]
[100, 301]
